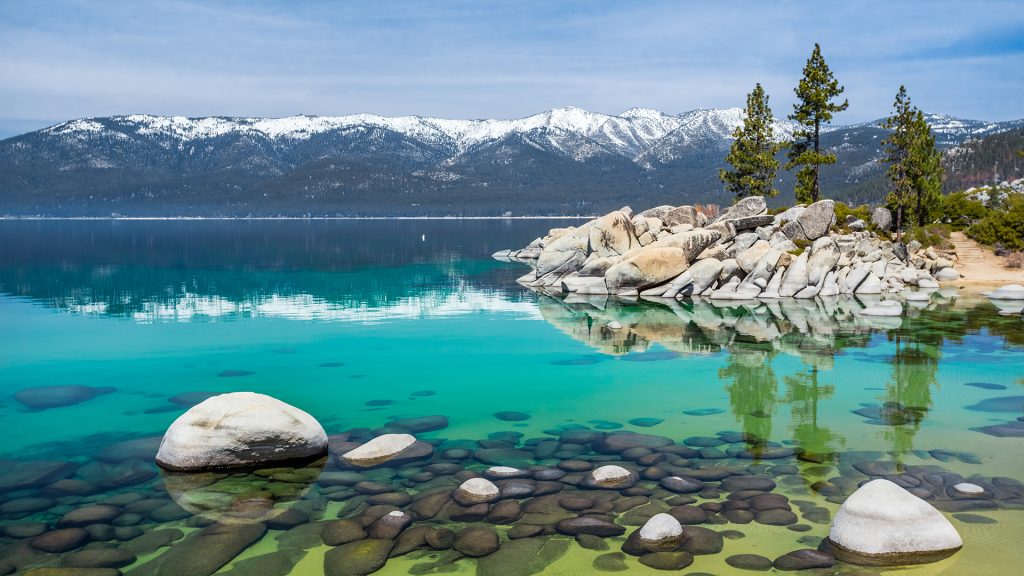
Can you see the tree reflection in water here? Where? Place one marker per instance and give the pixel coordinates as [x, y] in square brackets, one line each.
[752, 335]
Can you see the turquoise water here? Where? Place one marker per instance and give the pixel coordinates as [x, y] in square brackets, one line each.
[363, 322]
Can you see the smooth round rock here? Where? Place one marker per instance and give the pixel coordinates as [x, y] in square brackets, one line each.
[667, 560]
[339, 532]
[511, 416]
[476, 491]
[23, 529]
[611, 562]
[681, 484]
[100, 558]
[883, 524]
[609, 476]
[589, 525]
[240, 429]
[1007, 292]
[94, 514]
[43, 397]
[749, 562]
[805, 559]
[61, 540]
[737, 483]
[576, 503]
[662, 533]
[477, 542]
[357, 558]
[503, 472]
[968, 489]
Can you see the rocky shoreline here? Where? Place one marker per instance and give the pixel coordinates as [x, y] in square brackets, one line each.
[510, 503]
[741, 253]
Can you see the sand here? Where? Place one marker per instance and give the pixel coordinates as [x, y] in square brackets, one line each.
[979, 264]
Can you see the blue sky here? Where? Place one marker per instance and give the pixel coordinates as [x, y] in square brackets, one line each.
[62, 59]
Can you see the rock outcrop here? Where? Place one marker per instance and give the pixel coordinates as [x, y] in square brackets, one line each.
[239, 430]
[743, 253]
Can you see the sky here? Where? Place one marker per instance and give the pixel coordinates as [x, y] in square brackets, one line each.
[64, 59]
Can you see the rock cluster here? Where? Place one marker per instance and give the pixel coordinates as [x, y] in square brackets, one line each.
[673, 500]
[743, 253]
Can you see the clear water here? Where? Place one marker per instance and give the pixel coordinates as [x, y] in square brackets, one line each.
[362, 322]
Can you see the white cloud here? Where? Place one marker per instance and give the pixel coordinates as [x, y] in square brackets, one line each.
[463, 59]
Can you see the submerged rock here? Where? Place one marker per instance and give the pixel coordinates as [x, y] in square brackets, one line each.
[477, 541]
[240, 429]
[357, 558]
[43, 397]
[883, 524]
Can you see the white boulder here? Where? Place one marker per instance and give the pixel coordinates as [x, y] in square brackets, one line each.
[647, 267]
[968, 489]
[609, 476]
[378, 450]
[1008, 292]
[883, 524]
[238, 430]
[661, 532]
[476, 491]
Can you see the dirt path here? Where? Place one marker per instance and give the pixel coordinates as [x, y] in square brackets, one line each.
[978, 264]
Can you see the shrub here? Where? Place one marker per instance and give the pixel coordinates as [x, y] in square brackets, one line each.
[862, 212]
[1003, 227]
[801, 245]
[960, 211]
[936, 235]
[1015, 260]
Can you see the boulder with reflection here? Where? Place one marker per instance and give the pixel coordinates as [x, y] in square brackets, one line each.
[240, 430]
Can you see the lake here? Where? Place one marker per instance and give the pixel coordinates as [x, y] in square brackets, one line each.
[112, 329]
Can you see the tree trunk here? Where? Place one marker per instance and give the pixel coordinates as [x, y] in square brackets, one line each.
[899, 223]
[920, 215]
[816, 193]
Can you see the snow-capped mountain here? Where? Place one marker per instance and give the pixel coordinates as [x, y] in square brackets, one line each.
[564, 160]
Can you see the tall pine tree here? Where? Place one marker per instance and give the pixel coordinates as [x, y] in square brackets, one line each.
[915, 168]
[752, 155]
[815, 107]
[897, 148]
[926, 172]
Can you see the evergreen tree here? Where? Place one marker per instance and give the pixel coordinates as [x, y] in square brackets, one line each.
[815, 92]
[752, 155]
[896, 148]
[915, 169]
[926, 172]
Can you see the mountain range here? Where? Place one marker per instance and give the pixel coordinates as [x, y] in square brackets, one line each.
[564, 161]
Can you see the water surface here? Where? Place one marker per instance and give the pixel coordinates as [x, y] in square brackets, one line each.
[361, 323]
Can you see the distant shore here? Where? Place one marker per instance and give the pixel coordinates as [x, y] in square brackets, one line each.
[193, 218]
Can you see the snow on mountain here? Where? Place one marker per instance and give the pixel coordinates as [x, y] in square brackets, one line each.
[642, 135]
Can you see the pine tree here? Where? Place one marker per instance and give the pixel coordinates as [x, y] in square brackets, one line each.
[815, 92]
[752, 155]
[926, 172]
[915, 169]
[896, 149]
